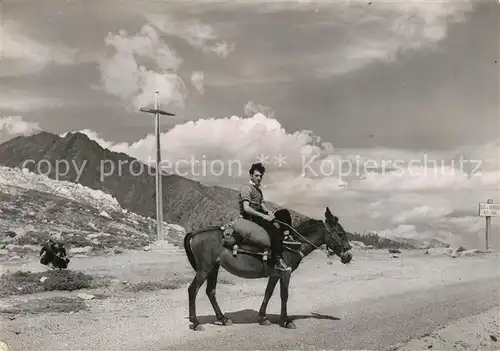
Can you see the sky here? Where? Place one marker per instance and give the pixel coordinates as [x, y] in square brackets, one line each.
[385, 111]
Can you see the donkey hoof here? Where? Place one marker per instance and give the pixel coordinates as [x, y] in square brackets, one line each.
[197, 327]
[227, 322]
[289, 325]
[264, 321]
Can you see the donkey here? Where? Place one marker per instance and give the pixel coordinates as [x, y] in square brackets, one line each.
[207, 251]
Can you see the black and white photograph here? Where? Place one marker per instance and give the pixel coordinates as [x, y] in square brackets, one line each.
[249, 175]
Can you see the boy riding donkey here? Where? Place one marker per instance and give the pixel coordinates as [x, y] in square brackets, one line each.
[252, 208]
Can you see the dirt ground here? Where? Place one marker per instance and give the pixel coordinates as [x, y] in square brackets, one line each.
[479, 332]
[118, 318]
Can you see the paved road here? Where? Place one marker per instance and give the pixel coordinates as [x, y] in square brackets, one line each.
[371, 324]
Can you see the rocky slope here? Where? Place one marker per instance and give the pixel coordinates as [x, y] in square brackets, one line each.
[34, 207]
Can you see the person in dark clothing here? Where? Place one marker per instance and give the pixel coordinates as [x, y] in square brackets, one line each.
[53, 254]
[252, 207]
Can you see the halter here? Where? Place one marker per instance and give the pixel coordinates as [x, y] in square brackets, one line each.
[329, 230]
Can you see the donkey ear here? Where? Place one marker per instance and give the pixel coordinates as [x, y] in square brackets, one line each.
[330, 217]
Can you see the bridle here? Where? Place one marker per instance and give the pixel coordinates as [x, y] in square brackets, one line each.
[336, 238]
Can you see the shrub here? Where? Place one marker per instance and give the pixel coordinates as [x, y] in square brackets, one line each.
[152, 286]
[20, 283]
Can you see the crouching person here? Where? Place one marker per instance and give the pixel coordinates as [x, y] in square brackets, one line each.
[53, 254]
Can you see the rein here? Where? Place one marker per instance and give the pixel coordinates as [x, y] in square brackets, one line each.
[300, 235]
[328, 231]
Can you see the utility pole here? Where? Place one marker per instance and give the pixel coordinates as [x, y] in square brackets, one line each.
[159, 193]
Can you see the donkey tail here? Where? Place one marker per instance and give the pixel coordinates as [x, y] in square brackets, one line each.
[189, 251]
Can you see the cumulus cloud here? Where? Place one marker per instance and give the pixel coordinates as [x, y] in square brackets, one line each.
[405, 204]
[140, 65]
[12, 126]
[251, 108]
[231, 138]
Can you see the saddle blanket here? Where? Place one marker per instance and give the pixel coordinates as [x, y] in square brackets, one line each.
[244, 231]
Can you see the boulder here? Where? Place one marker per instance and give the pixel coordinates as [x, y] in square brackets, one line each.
[176, 227]
[79, 250]
[96, 235]
[84, 296]
[475, 252]
[440, 251]
[19, 232]
[105, 215]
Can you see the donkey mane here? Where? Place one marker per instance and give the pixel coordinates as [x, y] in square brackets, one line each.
[309, 225]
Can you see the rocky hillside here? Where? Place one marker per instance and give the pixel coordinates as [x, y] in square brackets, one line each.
[34, 207]
[187, 203]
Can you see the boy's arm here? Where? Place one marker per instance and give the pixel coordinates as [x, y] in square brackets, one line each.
[264, 207]
[251, 211]
[245, 199]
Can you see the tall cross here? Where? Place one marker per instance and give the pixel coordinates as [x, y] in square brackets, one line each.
[159, 193]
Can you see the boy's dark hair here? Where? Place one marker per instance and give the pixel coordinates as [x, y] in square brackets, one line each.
[257, 166]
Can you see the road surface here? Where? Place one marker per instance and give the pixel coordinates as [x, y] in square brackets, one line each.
[370, 324]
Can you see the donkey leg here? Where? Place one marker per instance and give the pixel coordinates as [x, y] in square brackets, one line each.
[271, 284]
[193, 289]
[211, 286]
[284, 285]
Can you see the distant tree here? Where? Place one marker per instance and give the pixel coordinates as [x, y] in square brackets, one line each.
[373, 239]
